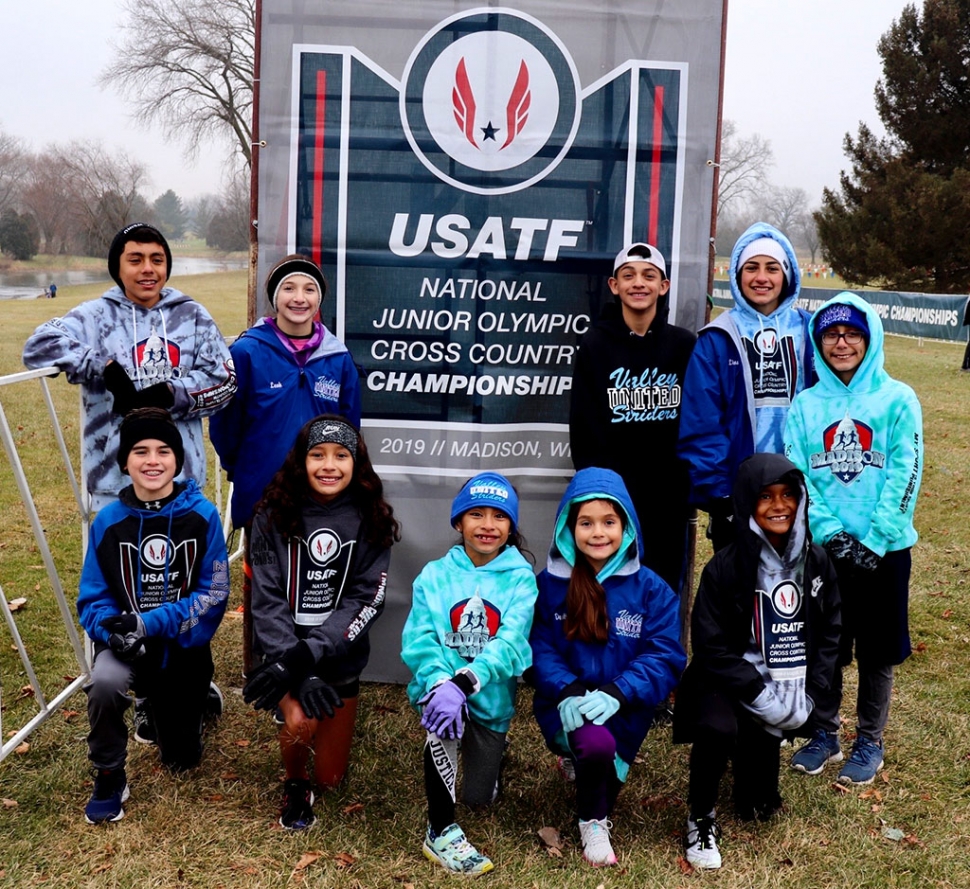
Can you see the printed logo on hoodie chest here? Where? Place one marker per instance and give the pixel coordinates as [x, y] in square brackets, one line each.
[156, 359]
[317, 573]
[627, 624]
[847, 450]
[157, 571]
[647, 396]
[772, 362]
[473, 622]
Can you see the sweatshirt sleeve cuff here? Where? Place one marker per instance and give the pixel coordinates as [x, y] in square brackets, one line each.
[467, 681]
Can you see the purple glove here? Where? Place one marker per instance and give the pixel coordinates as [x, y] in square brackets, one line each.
[444, 710]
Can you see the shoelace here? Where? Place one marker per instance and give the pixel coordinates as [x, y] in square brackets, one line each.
[707, 830]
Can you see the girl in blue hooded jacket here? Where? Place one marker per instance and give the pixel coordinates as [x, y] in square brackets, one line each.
[466, 642]
[605, 647]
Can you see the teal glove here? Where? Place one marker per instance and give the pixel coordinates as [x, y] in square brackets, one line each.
[569, 713]
[598, 706]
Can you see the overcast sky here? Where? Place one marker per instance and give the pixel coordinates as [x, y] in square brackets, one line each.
[799, 73]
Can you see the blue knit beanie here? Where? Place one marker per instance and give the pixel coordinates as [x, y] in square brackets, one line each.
[487, 489]
[840, 313]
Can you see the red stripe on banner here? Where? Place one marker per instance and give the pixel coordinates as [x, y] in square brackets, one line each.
[318, 132]
[658, 133]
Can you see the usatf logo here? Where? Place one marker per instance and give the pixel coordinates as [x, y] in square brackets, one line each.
[490, 101]
[323, 546]
[155, 551]
[474, 621]
[785, 598]
[848, 450]
[766, 342]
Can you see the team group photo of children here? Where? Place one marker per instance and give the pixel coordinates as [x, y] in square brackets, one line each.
[800, 453]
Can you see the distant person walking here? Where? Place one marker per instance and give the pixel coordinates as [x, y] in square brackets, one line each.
[52, 290]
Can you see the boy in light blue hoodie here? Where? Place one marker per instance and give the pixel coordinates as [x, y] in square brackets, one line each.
[858, 437]
[747, 367]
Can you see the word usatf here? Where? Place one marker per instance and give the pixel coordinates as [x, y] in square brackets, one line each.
[456, 237]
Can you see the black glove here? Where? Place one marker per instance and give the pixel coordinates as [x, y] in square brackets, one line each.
[863, 557]
[317, 698]
[840, 546]
[720, 529]
[119, 384]
[159, 395]
[273, 680]
[126, 635]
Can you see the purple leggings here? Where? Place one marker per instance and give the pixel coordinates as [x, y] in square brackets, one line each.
[597, 787]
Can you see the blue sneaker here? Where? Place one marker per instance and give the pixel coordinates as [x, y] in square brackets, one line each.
[814, 756]
[864, 762]
[110, 791]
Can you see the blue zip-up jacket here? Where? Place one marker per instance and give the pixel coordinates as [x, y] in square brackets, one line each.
[170, 566]
[473, 620]
[275, 396]
[860, 446]
[745, 371]
[641, 660]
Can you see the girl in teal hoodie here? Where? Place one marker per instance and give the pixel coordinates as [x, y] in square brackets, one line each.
[466, 641]
[857, 435]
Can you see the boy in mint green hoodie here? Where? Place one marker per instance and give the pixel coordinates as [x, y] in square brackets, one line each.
[466, 642]
[857, 435]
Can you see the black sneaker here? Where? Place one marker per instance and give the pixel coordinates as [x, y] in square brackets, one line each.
[145, 731]
[214, 703]
[110, 791]
[297, 811]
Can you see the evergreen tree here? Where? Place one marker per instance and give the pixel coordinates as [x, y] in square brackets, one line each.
[170, 215]
[19, 236]
[900, 216]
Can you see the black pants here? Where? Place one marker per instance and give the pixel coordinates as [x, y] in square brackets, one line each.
[725, 731]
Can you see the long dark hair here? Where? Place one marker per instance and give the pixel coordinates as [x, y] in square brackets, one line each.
[285, 495]
[587, 618]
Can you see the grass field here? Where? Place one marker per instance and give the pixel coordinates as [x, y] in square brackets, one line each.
[217, 827]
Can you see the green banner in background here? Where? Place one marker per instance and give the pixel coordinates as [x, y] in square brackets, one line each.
[906, 314]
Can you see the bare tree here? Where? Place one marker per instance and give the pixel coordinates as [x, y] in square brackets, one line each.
[45, 197]
[188, 65]
[743, 174]
[783, 207]
[808, 234]
[102, 192]
[14, 163]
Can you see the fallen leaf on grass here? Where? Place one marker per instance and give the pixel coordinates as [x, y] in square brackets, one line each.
[344, 860]
[229, 776]
[684, 865]
[893, 833]
[841, 788]
[550, 837]
[921, 647]
[215, 798]
[353, 807]
[871, 793]
[884, 777]
[70, 714]
[947, 614]
[26, 691]
[913, 840]
[243, 742]
[22, 749]
[661, 801]
[101, 868]
[786, 862]
[9, 803]
[306, 859]
[36, 589]
[16, 604]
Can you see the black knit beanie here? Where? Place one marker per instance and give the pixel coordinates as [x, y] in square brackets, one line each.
[140, 233]
[294, 264]
[150, 422]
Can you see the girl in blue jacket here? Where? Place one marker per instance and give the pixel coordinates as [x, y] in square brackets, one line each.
[605, 647]
[466, 641]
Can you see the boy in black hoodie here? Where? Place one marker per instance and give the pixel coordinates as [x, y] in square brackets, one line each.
[625, 409]
[765, 638]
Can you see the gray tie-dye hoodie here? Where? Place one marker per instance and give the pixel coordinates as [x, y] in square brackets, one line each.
[175, 342]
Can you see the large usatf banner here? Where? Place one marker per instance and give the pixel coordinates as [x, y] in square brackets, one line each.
[464, 175]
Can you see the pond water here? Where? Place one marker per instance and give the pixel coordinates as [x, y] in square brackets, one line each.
[30, 285]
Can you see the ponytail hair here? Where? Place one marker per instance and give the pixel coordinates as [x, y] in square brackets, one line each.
[587, 619]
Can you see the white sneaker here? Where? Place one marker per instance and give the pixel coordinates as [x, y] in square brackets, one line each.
[596, 842]
[702, 837]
